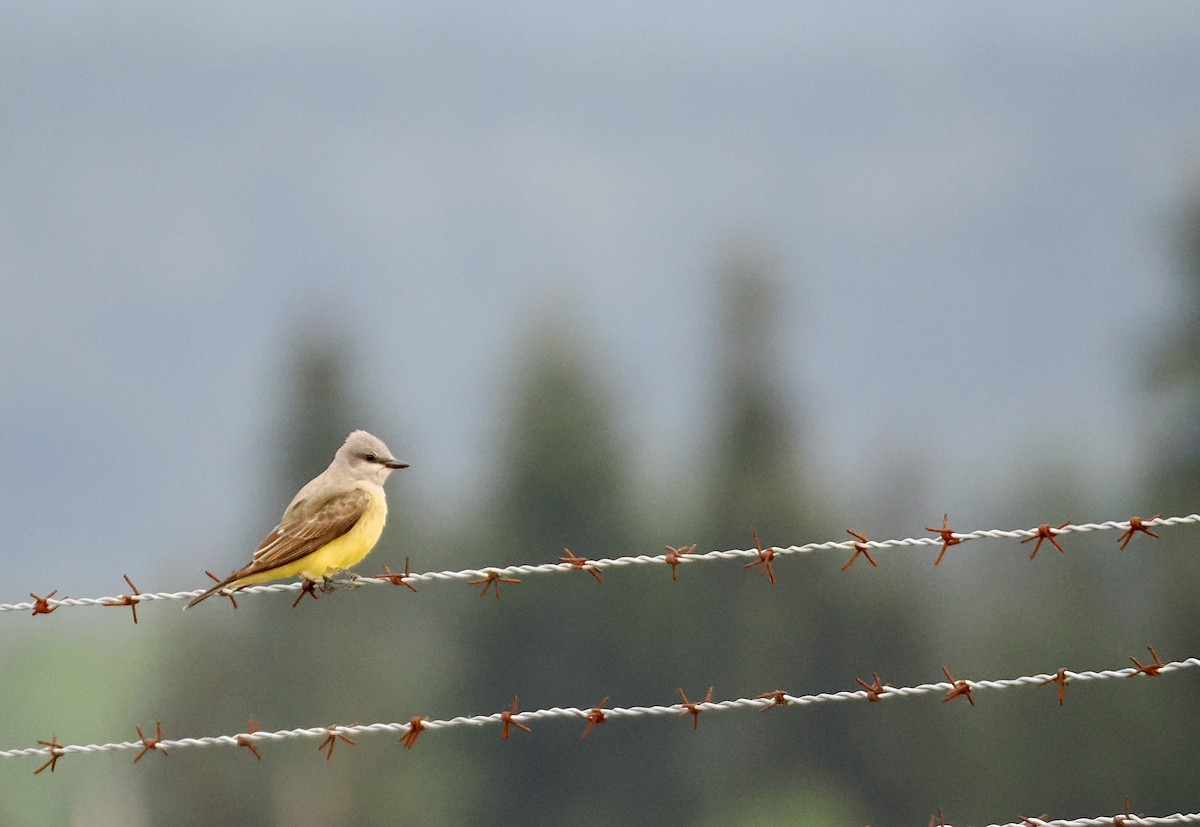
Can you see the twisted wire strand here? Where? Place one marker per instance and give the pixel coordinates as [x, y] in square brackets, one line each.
[616, 562]
[616, 713]
[1105, 821]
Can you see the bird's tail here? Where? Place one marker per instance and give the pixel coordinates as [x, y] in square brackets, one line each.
[222, 584]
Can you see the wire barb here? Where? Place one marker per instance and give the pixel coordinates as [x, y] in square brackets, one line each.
[397, 579]
[128, 599]
[859, 548]
[674, 556]
[594, 717]
[492, 580]
[957, 689]
[248, 742]
[580, 564]
[777, 698]
[1060, 680]
[41, 605]
[331, 740]
[416, 726]
[1045, 532]
[947, 536]
[56, 751]
[1122, 820]
[150, 744]
[227, 594]
[1136, 524]
[507, 717]
[1150, 669]
[875, 689]
[693, 708]
[307, 586]
[765, 557]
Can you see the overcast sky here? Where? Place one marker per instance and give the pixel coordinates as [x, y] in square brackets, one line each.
[971, 206]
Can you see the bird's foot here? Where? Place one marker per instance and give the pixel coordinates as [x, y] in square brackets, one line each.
[355, 579]
[349, 579]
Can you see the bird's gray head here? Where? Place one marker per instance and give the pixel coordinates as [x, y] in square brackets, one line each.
[366, 457]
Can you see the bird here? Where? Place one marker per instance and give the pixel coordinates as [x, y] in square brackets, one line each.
[331, 524]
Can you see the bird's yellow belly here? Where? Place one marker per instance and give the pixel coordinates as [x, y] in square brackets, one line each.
[337, 555]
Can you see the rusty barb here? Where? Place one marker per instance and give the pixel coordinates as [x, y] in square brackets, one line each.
[1150, 670]
[129, 600]
[1136, 524]
[41, 605]
[492, 581]
[1060, 680]
[56, 752]
[150, 744]
[1045, 532]
[859, 548]
[306, 587]
[248, 742]
[958, 689]
[580, 564]
[229, 595]
[1123, 819]
[947, 535]
[595, 717]
[397, 579]
[875, 688]
[416, 726]
[331, 740]
[507, 717]
[777, 697]
[674, 556]
[765, 558]
[693, 708]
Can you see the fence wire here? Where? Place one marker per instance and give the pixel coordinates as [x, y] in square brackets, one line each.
[592, 717]
[494, 575]
[1119, 820]
[597, 715]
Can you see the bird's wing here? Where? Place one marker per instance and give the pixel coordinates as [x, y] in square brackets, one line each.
[304, 530]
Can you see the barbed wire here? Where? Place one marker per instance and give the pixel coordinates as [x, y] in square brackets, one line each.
[493, 576]
[596, 715]
[1120, 820]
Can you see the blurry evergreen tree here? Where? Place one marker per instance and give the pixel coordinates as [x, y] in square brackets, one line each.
[566, 481]
[817, 625]
[1176, 490]
[757, 476]
[757, 479]
[563, 482]
[1177, 374]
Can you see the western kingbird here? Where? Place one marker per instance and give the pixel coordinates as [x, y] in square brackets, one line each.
[331, 524]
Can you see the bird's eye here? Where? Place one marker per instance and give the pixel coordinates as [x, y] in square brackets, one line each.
[369, 457]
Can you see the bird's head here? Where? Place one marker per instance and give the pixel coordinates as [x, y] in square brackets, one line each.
[367, 458]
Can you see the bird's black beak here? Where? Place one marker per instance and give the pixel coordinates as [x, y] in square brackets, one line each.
[395, 464]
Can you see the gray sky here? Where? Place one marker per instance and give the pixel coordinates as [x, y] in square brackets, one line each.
[971, 206]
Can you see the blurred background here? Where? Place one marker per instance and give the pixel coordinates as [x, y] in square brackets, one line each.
[608, 278]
